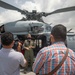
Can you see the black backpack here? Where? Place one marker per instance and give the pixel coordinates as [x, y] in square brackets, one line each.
[15, 45]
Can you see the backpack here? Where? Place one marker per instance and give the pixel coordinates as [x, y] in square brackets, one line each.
[15, 45]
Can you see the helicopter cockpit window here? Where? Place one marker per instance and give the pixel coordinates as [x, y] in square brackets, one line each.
[37, 29]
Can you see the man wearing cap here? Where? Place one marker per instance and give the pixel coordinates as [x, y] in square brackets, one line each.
[29, 55]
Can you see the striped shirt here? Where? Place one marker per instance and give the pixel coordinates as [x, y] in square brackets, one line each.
[49, 57]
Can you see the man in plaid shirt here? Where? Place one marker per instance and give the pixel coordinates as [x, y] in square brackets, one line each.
[49, 57]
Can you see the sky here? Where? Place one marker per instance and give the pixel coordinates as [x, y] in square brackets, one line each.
[67, 19]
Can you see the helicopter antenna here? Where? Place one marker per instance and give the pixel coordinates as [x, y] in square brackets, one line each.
[69, 30]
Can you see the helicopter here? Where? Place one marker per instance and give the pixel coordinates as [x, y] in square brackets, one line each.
[34, 24]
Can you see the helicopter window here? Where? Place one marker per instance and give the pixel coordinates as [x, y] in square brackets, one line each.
[15, 37]
[71, 38]
[37, 29]
[48, 28]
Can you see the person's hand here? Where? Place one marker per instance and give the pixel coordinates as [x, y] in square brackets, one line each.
[27, 48]
[30, 46]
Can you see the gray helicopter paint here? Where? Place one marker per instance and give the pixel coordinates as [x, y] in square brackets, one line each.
[71, 41]
[16, 27]
[21, 26]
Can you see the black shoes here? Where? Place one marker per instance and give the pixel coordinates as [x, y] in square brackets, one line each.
[25, 72]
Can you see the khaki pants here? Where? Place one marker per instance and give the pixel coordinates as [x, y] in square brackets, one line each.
[29, 56]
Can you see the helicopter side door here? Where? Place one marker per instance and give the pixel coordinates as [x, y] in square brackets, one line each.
[40, 42]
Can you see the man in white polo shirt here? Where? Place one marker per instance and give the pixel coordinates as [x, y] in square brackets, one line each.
[10, 60]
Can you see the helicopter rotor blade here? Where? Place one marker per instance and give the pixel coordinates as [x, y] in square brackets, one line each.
[8, 6]
[61, 10]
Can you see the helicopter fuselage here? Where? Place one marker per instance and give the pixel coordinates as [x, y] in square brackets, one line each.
[39, 30]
